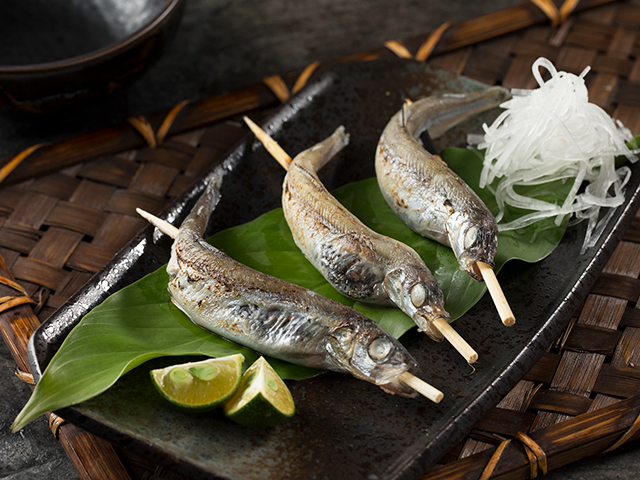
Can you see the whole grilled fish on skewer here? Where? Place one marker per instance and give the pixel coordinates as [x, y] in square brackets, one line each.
[359, 263]
[428, 196]
[278, 318]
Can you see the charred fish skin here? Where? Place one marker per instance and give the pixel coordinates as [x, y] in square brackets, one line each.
[424, 192]
[275, 317]
[358, 262]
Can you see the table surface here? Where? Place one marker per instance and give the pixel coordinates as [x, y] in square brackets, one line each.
[223, 45]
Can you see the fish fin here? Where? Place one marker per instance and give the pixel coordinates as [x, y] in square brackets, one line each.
[311, 176]
[198, 218]
[321, 153]
[403, 115]
[355, 243]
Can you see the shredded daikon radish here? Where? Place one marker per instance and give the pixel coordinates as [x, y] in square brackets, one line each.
[554, 133]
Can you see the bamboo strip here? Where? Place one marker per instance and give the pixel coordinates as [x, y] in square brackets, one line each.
[123, 137]
[92, 457]
[54, 157]
[563, 443]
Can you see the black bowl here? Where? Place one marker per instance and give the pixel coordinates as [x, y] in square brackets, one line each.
[63, 53]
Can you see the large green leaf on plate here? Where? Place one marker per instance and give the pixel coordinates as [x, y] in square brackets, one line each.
[139, 322]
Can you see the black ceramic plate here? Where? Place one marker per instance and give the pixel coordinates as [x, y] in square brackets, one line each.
[344, 428]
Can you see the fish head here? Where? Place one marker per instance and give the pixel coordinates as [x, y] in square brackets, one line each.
[473, 238]
[414, 290]
[371, 354]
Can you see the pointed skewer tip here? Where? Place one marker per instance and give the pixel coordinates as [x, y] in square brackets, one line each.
[276, 151]
[162, 225]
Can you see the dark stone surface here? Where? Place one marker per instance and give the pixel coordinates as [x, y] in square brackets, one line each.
[223, 45]
[32, 453]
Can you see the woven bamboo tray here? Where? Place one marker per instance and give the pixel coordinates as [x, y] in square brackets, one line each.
[70, 206]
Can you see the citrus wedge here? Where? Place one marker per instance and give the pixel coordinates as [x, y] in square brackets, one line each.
[262, 399]
[199, 386]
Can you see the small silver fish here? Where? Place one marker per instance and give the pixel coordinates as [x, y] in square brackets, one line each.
[275, 317]
[424, 192]
[357, 261]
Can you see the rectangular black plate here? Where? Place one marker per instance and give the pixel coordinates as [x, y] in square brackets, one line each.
[344, 428]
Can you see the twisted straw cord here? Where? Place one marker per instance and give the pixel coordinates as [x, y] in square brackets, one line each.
[15, 285]
[7, 303]
[277, 85]
[25, 377]
[557, 15]
[633, 429]
[537, 456]
[12, 164]
[144, 128]
[493, 461]
[55, 422]
[425, 50]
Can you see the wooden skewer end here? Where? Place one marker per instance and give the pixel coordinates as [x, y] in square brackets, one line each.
[162, 225]
[422, 387]
[504, 310]
[270, 144]
[456, 340]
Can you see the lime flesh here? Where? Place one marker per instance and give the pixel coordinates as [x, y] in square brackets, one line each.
[262, 400]
[199, 386]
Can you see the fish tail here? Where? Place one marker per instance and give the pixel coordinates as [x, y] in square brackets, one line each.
[319, 155]
[454, 110]
[198, 218]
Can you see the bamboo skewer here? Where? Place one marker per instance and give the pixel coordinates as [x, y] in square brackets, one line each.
[504, 310]
[454, 338]
[489, 276]
[422, 387]
[162, 225]
[276, 151]
[407, 378]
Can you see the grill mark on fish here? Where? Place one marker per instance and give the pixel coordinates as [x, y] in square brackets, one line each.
[347, 272]
[311, 177]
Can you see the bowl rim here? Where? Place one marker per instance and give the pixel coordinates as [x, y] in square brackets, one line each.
[169, 7]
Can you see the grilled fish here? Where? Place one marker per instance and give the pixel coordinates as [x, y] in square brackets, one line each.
[358, 262]
[275, 317]
[424, 192]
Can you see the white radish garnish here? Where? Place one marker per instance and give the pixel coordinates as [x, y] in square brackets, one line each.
[554, 133]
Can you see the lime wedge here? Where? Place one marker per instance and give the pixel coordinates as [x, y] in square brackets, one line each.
[199, 386]
[262, 399]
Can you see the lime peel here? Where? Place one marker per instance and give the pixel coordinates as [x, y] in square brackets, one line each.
[262, 400]
[199, 386]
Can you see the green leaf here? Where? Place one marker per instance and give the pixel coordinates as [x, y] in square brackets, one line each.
[139, 322]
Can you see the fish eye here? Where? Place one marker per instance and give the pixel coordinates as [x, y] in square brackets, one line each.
[380, 348]
[418, 295]
[470, 237]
